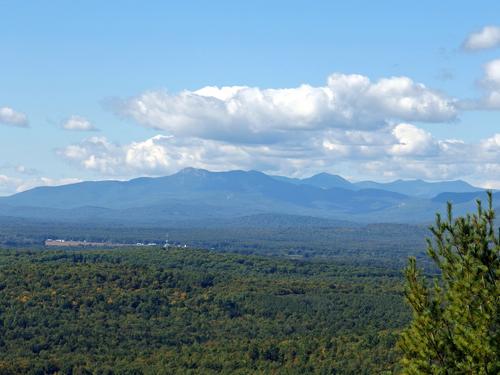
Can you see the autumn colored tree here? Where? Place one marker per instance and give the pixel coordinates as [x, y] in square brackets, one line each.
[455, 326]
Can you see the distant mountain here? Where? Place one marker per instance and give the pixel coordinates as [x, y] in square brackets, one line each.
[420, 188]
[457, 198]
[199, 195]
[414, 188]
[212, 188]
[321, 180]
[327, 181]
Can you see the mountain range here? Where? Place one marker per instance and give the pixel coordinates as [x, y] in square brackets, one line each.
[197, 195]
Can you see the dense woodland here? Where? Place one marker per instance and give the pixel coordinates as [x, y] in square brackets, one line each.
[137, 311]
[387, 245]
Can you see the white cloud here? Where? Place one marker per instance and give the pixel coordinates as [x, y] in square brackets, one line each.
[78, 123]
[166, 154]
[399, 151]
[492, 101]
[413, 141]
[487, 37]
[351, 126]
[491, 145]
[9, 116]
[253, 115]
[490, 83]
[159, 155]
[395, 98]
[450, 159]
[10, 185]
[492, 74]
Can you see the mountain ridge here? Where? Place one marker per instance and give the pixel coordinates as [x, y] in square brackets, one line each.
[201, 194]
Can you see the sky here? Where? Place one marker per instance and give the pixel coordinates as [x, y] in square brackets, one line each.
[378, 90]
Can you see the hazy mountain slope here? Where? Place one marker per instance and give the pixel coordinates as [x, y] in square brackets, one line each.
[328, 181]
[255, 189]
[321, 180]
[458, 198]
[195, 194]
[416, 188]
[419, 188]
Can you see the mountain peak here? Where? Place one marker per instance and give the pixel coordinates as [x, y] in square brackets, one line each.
[328, 175]
[327, 181]
[192, 172]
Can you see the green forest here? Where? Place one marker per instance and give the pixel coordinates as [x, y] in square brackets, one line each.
[182, 310]
[137, 310]
[387, 245]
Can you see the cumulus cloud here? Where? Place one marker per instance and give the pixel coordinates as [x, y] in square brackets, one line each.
[252, 115]
[492, 145]
[487, 37]
[413, 141]
[78, 123]
[352, 125]
[490, 83]
[159, 155]
[478, 162]
[492, 73]
[166, 154]
[9, 116]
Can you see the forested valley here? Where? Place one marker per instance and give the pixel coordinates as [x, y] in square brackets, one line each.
[150, 310]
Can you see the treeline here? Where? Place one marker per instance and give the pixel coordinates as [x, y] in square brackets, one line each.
[137, 311]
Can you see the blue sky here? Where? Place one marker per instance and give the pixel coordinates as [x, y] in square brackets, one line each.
[407, 96]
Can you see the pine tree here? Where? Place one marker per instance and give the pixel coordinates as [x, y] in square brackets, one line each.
[455, 326]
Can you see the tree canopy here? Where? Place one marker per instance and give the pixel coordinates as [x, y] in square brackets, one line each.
[455, 327]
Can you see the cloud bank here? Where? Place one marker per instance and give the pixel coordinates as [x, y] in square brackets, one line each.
[401, 151]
